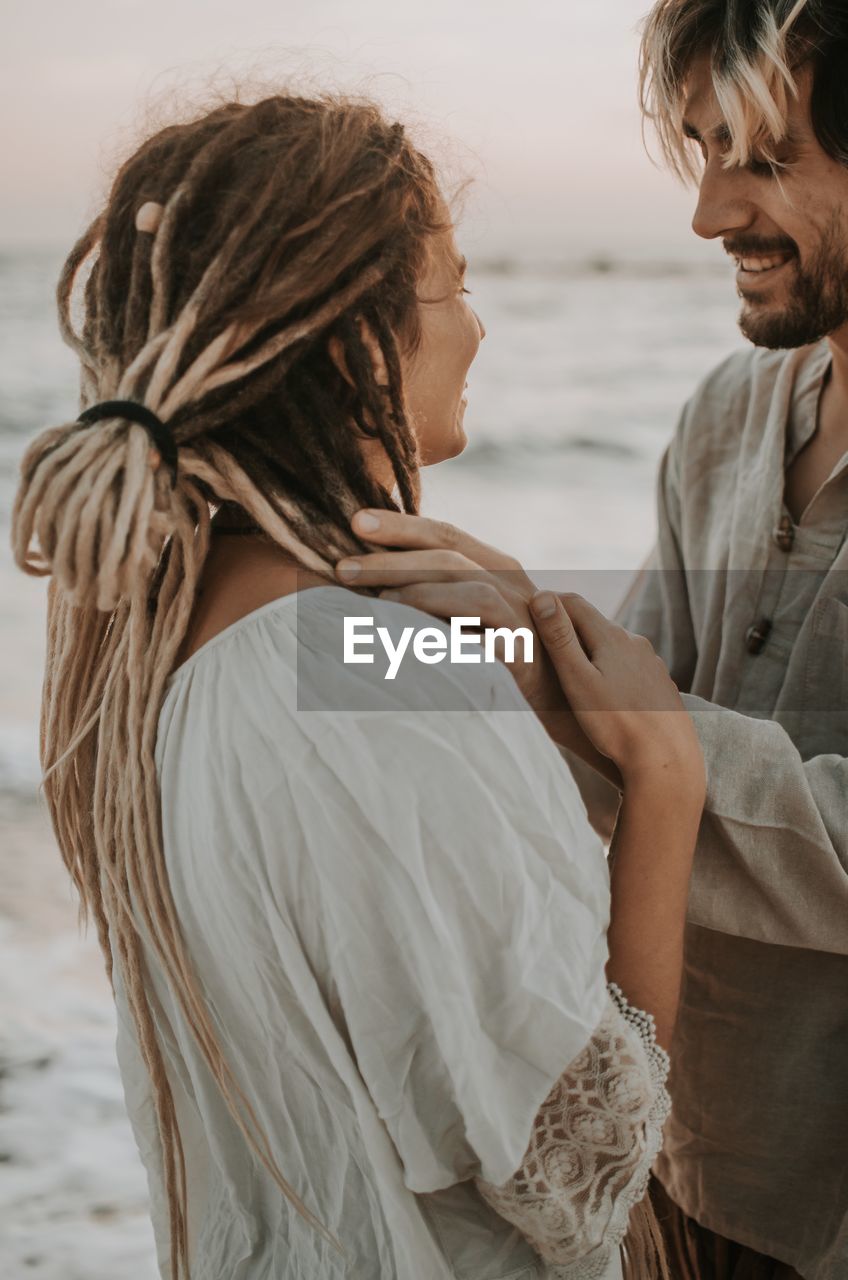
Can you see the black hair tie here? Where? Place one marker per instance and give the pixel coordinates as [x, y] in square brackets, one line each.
[131, 411]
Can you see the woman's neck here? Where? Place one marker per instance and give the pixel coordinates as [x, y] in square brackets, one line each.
[240, 575]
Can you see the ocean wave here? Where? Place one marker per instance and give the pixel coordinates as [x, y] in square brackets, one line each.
[596, 265]
[533, 448]
[20, 768]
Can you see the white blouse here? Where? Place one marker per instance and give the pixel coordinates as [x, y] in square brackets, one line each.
[397, 912]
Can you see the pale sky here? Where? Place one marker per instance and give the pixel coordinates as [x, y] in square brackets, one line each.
[534, 99]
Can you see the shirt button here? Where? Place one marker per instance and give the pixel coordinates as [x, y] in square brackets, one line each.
[757, 635]
[784, 534]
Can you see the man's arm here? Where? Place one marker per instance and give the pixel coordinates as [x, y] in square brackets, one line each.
[772, 861]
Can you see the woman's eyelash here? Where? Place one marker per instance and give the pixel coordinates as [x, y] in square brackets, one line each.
[464, 290]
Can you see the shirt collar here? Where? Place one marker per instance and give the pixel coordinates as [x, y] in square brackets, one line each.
[804, 411]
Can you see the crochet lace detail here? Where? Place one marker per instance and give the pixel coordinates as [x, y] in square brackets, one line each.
[594, 1141]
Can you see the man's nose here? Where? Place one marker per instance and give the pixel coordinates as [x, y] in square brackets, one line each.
[723, 206]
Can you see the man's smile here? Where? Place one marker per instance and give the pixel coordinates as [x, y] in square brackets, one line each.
[761, 264]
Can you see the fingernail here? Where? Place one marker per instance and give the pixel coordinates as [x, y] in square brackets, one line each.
[366, 522]
[348, 569]
[390, 595]
[544, 604]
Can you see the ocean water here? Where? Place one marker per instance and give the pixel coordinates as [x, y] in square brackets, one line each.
[572, 399]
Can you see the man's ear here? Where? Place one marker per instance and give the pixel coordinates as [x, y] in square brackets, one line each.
[339, 358]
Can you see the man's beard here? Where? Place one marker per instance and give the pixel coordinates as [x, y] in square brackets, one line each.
[818, 305]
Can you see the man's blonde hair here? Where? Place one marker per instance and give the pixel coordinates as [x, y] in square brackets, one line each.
[755, 48]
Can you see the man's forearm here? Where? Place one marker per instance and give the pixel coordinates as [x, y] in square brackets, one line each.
[772, 856]
[772, 859]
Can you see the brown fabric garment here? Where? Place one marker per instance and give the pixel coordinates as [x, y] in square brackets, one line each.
[695, 1253]
[756, 1142]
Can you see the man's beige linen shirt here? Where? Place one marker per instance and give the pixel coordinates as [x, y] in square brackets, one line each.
[750, 613]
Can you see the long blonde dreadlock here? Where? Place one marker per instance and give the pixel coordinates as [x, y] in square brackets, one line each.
[232, 249]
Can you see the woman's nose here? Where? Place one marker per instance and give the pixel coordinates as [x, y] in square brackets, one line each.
[480, 325]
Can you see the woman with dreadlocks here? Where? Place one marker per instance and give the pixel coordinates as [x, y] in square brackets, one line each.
[372, 1019]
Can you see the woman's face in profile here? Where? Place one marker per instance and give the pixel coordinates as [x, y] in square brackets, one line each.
[435, 373]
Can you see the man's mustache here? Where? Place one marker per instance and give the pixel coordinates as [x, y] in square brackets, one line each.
[758, 246]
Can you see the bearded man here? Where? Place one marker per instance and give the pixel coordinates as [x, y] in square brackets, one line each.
[748, 608]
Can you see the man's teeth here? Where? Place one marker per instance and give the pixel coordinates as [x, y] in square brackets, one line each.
[762, 264]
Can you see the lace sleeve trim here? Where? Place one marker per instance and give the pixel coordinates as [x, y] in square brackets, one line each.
[594, 1141]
